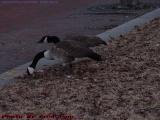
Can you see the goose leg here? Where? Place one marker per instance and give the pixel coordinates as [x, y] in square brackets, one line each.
[68, 64]
[38, 56]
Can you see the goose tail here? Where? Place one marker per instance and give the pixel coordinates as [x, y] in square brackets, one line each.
[95, 57]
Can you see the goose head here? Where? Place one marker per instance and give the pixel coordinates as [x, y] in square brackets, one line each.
[49, 39]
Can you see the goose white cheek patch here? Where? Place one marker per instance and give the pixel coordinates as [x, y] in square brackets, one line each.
[30, 70]
[45, 40]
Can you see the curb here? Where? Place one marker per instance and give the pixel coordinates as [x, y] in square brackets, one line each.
[8, 77]
[126, 27]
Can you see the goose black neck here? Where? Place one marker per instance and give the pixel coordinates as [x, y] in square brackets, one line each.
[37, 58]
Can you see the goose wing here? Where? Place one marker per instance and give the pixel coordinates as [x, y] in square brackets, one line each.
[87, 41]
[75, 49]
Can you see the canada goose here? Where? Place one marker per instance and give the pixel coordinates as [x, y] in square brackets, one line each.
[85, 40]
[67, 50]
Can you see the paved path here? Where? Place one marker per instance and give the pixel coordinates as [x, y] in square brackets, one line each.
[19, 15]
[21, 25]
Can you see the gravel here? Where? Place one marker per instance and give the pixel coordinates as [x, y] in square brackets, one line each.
[125, 86]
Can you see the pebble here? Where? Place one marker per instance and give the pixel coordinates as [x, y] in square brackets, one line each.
[68, 76]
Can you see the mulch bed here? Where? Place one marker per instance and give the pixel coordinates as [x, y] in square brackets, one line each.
[125, 86]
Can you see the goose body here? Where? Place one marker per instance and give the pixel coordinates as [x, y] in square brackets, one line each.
[67, 50]
[88, 41]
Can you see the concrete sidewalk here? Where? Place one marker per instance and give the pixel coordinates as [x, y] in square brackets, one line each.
[21, 25]
[9, 76]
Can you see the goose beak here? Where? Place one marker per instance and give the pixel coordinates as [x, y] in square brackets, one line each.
[30, 70]
[44, 40]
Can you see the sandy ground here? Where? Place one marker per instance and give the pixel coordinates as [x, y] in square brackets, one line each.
[125, 86]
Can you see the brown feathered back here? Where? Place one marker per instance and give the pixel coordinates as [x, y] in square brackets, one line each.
[74, 48]
[88, 41]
